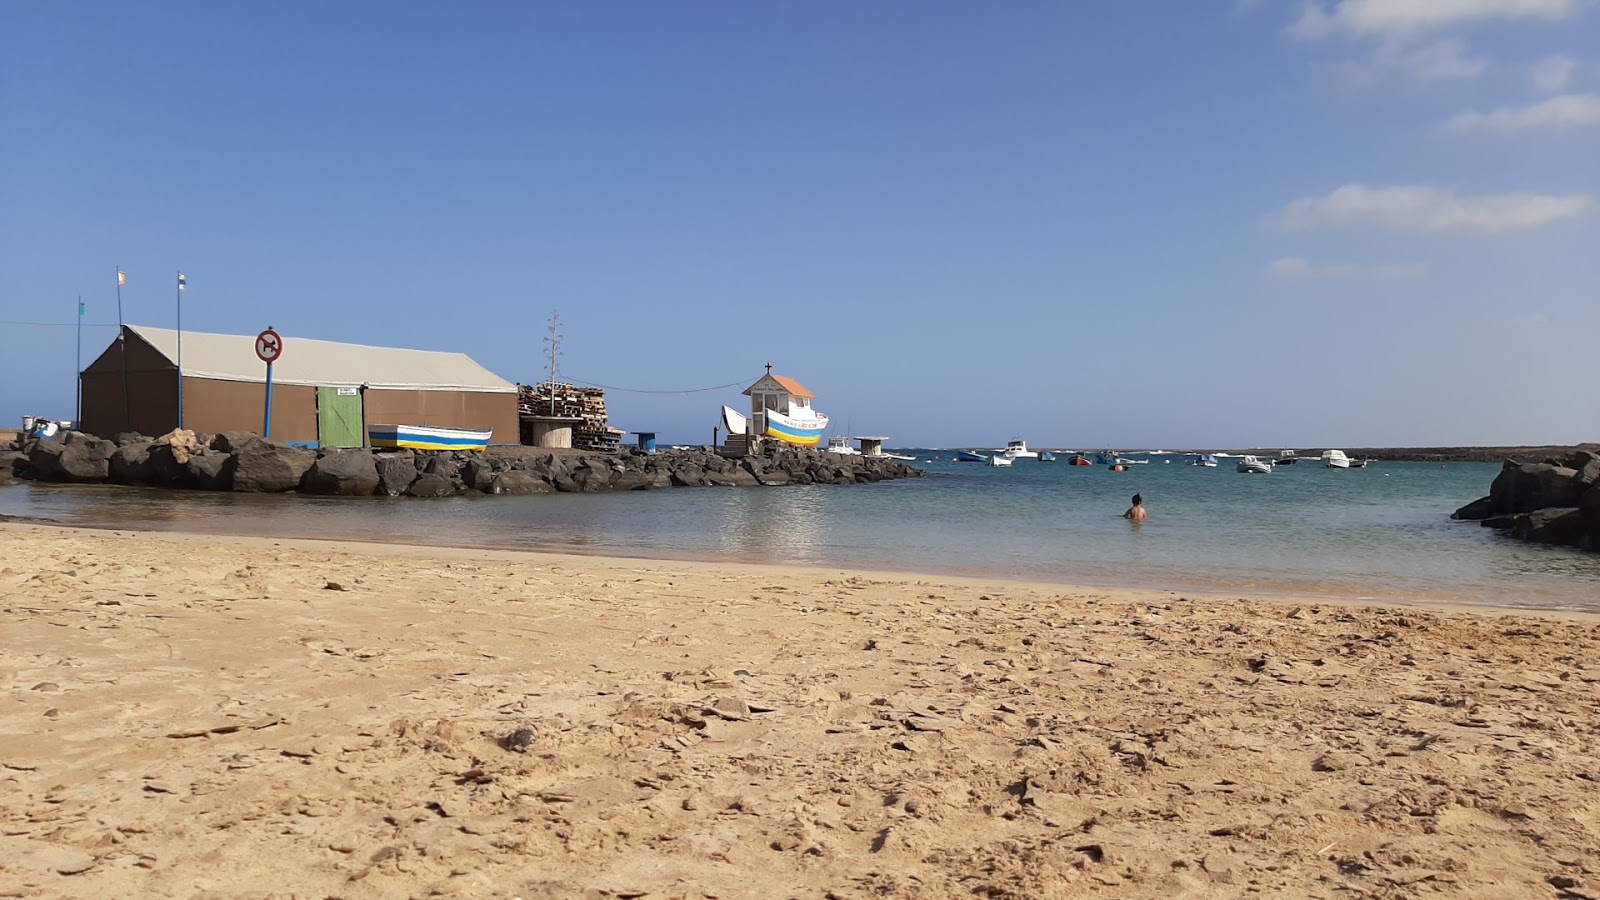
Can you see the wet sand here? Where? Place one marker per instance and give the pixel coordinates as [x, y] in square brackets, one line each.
[190, 716]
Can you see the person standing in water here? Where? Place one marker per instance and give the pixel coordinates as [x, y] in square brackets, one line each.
[1135, 512]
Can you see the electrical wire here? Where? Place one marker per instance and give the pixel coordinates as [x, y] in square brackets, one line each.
[61, 324]
[720, 387]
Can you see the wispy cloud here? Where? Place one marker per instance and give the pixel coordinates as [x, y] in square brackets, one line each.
[1565, 111]
[1409, 17]
[1553, 73]
[1296, 268]
[1445, 58]
[1424, 208]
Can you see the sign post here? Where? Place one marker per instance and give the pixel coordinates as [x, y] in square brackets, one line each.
[269, 346]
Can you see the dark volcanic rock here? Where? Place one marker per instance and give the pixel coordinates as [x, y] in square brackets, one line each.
[1531, 486]
[232, 441]
[11, 463]
[77, 457]
[431, 484]
[131, 463]
[346, 473]
[270, 468]
[396, 470]
[478, 474]
[519, 483]
[210, 470]
[1481, 508]
[1554, 525]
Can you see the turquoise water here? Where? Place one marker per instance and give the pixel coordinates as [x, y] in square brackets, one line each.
[1383, 531]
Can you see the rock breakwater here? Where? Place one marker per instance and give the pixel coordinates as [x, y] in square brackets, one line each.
[249, 463]
[1556, 501]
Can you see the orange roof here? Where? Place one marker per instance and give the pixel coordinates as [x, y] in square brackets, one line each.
[794, 387]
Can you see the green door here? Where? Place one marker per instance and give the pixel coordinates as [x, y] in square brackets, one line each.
[339, 417]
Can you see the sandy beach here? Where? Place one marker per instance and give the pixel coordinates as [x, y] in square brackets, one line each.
[205, 717]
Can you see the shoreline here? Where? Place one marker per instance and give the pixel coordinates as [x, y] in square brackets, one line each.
[187, 715]
[1288, 591]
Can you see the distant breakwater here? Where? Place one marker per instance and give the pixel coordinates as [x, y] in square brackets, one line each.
[249, 463]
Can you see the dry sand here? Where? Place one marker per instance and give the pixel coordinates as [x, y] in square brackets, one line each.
[190, 716]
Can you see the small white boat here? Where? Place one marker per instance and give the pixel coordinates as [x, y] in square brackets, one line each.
[1000, 460]
[424, 437]
[1335, 459]
[1018, 449]
[1250, 465]
[1206, 461]
[903, 457]
[841, 444]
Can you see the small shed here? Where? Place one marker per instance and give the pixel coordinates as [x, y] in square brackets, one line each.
[872, 446]
[325, 393]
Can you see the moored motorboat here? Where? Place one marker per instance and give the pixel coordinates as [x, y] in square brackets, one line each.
[1078, 459]
[1000, 460]
[1204, 461]
[1250, 465]
[900, 456]
[1018, 449]
[841, 444]
[1286, 458]
[1335, 459]
[1046, 456]
[428, 437]
[969, 456]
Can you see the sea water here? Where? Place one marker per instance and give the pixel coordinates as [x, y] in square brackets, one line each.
[1379, 532]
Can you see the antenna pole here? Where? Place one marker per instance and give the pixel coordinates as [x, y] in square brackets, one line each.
[552, 340]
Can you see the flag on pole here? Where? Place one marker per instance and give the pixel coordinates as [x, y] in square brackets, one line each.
[183, 283]
[80, 309]
[122, 278]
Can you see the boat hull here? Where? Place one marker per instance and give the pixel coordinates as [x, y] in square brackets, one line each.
[800, 432]
[964, 456]
[424, 437]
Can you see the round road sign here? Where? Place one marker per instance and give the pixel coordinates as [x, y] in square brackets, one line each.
[269, 346]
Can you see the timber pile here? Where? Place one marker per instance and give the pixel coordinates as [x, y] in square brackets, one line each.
[568, 401]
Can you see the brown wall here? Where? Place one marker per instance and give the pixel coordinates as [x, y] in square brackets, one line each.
[152, 392]
[217, 406]
[447, 409]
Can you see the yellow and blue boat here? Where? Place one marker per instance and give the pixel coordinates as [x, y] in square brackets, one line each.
[427, 437]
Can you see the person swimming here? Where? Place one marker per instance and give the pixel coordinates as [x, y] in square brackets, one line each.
[1135, 512]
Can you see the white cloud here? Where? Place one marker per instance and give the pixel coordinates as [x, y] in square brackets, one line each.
[1423, 208]
[1446, 58]
[1409, 17]
[1565, 111]
[1553, 73]
[1298, 268]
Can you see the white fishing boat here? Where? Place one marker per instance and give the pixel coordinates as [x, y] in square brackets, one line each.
[1286, 458]
[996, 459]
[1251, 465]
[424, 437]
[1335, 459]
[841, 444]
[903, 457]
[1205, 461]
[1018, 449]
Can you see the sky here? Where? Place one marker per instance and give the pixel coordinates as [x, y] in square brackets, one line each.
[1219, 224]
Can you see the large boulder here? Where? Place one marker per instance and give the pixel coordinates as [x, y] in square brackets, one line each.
[347, 473]
[131, 463]
[431, 484]
[519, 482]
[396, 471]
[1553, 525]
[10, 462]
[270, 468]
[478, 474]
[1531, 486]
[1477, 510]
[630, 480]
[1587, 465]
[232, 441]
[78, 458]
[210, 470]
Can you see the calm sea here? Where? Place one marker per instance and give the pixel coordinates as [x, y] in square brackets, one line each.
[1379, 532]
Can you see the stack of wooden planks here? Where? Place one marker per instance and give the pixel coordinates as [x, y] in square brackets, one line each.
[568, 401]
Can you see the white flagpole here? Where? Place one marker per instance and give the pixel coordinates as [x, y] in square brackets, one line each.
[179, 292]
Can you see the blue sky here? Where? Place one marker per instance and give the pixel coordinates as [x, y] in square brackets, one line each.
[1351, 222]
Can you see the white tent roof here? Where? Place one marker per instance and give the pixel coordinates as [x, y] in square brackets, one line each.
[232, 357]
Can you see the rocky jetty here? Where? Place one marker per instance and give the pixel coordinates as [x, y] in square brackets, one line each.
[1556, 501]
[249, 463]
